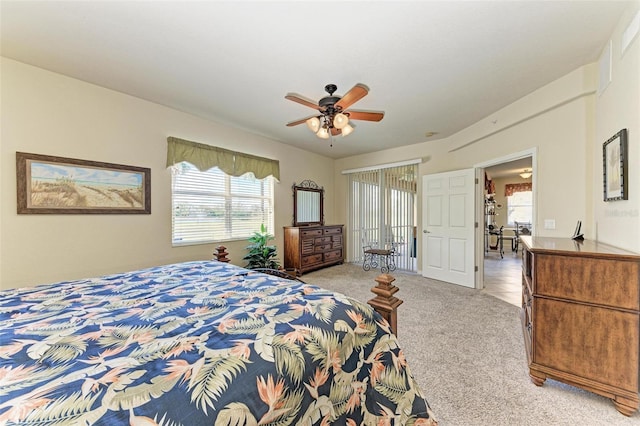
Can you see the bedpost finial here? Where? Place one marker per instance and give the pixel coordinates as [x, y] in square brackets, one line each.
[221, 254]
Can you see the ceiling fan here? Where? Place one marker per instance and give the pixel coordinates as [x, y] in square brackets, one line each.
[334, 114]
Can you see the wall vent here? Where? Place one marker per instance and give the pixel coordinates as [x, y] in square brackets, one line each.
[630, 32]
[604, 68]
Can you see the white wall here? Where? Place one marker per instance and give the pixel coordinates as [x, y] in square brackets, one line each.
[618, 222]
[47, 113]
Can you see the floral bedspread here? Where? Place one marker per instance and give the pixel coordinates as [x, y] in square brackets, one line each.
[199, 343]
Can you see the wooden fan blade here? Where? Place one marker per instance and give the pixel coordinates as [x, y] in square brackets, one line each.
[356, 93]
[365, 115]
[302, 120]
[302, 100]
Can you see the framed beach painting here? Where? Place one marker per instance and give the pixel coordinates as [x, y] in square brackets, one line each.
[614, 157]
[58, 185]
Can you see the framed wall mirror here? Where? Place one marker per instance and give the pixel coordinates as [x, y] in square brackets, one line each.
[308, 204]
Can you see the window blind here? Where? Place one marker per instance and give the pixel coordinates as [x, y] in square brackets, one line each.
[212, 206]
[383, 213]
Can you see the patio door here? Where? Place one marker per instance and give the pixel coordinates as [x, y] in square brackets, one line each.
[382, 212]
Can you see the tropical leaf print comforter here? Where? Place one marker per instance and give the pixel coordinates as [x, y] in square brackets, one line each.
[199, 343]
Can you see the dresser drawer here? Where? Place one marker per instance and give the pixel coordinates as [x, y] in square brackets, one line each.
[322, 240]
[527, 299]
[527, 310]
[310, 260]
[306, 246]
[333, 255]
[604, 282]
[333, 230]
[311, 233]
[322, 247]
[581, 339]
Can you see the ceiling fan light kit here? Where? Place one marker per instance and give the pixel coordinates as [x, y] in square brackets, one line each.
[526, 174]
[335, 118]
[314, 124]
[346, 130]
[323, 133]
[340, 120]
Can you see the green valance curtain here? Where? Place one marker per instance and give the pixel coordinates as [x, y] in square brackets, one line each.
[232, 163]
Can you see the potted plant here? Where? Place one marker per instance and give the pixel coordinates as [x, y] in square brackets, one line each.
[261, 254]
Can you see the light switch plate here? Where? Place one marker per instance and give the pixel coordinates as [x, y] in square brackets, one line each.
[549, 224]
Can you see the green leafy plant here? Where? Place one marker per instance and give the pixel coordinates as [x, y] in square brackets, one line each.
[261, 254]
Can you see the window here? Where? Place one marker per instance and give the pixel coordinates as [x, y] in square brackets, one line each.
[213, 206]
[520, 207]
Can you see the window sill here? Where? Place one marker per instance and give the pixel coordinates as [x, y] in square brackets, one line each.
[203, 243]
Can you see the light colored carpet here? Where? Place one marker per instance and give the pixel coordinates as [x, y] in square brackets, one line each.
[466, 350]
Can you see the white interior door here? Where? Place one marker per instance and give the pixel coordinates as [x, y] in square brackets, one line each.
[448, 231]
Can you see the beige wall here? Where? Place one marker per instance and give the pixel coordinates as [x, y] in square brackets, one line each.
[47, 113]
[618, 222]
[566, 123]
[554, 120]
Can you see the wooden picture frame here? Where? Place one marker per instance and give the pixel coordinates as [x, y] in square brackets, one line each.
[59, 185]
[614, 162]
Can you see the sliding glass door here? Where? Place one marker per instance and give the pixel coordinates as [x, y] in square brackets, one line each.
[382, 213]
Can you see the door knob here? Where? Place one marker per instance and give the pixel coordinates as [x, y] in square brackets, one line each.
[424, 231]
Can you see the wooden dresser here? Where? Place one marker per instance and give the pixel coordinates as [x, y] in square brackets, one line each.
[580, 316]
[312, 247]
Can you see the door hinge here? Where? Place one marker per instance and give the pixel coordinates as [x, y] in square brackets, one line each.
[476, 224]
[476, 269]
[477, 181]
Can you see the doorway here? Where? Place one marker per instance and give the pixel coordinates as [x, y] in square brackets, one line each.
[509, 211]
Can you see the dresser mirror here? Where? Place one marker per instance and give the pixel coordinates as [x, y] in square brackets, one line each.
[308, 207]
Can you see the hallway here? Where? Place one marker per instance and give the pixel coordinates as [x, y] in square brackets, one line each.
[503, 277]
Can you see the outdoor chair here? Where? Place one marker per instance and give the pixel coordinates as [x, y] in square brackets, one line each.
[374, 256]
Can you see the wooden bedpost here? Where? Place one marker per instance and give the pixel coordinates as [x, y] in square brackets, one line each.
[385, 303]
[221, 254]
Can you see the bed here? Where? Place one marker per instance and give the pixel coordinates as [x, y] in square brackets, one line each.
[199, 343]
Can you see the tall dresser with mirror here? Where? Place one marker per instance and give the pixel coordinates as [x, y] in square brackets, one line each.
[310, 244]
[581, 316]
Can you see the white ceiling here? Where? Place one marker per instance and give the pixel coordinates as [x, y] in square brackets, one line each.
[432, 66]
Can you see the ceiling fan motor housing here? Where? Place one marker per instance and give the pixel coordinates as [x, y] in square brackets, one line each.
[329, 101]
